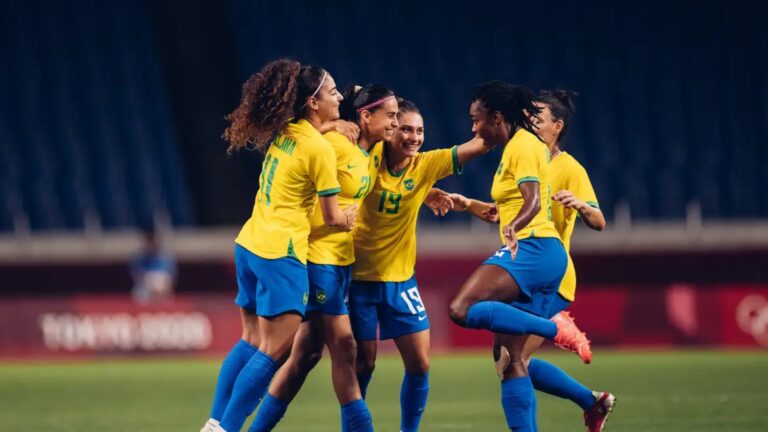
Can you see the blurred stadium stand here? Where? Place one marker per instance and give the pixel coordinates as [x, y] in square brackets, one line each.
[111, 111]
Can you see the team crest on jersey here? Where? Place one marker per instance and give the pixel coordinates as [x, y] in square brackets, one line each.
[306, 298]
[409, 184]
[321, 296]
[376, 161]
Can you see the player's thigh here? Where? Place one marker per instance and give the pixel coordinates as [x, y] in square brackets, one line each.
[414, 350]
[277, 334]
[308, 342]
[488, 282]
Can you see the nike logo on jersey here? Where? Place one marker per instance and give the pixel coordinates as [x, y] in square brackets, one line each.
[350, 166]
[422, 317]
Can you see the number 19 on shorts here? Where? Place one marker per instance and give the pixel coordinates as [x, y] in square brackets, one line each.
[412, 299]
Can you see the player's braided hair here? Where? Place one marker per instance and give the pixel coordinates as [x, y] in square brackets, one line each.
[514, 102]
[560, 103]
[356, 97]
[271, 98]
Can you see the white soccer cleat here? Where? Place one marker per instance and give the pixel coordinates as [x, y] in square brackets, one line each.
[212, 425]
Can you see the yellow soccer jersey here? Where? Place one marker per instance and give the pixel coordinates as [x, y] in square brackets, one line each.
[356, 173]
[525, 158]
[385, 233]
[299, 165]
[566, 173]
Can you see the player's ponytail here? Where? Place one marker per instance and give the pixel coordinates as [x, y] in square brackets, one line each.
[514, 102]
[560, 103]
[369, 97]
[271, 98]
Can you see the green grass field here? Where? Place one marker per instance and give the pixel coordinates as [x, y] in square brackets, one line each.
[659, 391]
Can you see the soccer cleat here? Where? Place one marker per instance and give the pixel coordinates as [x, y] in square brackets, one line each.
[212, 425]
[570, 337]
[502, 363]
[597, 416]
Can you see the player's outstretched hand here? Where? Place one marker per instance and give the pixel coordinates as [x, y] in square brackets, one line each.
[439, 201]
[351, 215]
[491, 213]
[510, 240]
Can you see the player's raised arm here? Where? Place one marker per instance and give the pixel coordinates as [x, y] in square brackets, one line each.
[471, 149]
[441, 202]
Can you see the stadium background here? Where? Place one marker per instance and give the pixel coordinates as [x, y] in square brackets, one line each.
[110, 121]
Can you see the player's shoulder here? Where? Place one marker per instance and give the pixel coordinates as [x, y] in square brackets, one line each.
[570, 163]
[341, 145]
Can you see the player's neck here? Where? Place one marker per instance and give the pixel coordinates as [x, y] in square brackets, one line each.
[314, 120]
[364, 141]
[554, 151]
[397, 162]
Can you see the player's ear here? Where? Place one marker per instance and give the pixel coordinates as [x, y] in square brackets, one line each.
[497, 118]
[559, 126]
[365, 116]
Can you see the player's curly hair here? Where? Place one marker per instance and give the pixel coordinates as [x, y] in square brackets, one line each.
[271, 98]
[560, 103]
[356, 97]
[514, 102]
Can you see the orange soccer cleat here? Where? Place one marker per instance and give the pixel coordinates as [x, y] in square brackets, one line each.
[597, 416]
[570, 337]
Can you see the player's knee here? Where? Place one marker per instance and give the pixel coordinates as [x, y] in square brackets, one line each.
[345, 347]
[311, 357]
[458, 312]
[366, 364]
[419, 366]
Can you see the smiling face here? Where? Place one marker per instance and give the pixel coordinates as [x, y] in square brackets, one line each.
[489, 126]
[382, 122]
[409, 136]
[326, 102]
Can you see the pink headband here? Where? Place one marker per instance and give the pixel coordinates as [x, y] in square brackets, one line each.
[377, 103]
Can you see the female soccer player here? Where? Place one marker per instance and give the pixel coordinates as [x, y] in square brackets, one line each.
[513, 289]
[331, 253]
[574, 198]
[285, 103]
[384, 293]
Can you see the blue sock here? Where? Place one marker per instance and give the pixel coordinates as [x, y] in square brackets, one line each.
[503, 318]
[230, 369]
[413, 400]
[534, 413]
[364, 378]
[355, 417]
[551, 379]
[269, 414]
[249, 388]
[516, 399]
